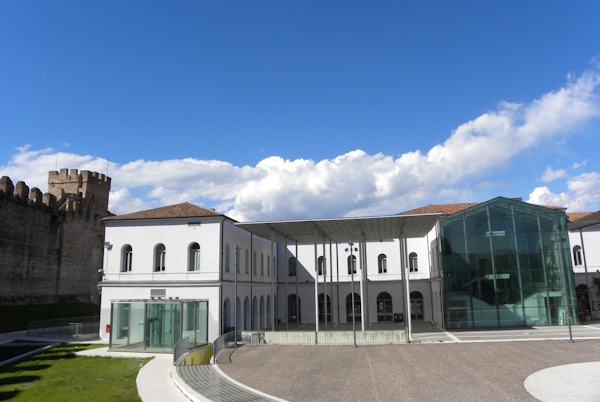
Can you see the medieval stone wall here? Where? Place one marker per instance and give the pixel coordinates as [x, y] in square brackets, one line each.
[50, 249]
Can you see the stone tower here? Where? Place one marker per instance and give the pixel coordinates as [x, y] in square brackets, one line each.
[92, 187]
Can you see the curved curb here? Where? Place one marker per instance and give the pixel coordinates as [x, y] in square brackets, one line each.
[239, 384]
[569, 382]
[186, 389]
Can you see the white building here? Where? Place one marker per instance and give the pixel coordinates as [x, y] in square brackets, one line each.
[185, 271]
[584, 239]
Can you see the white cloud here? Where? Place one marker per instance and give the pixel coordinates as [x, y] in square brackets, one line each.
[354, 183]
[122, 202]
[543, 196]
[551, 175]
[583, 194]
[577, 165]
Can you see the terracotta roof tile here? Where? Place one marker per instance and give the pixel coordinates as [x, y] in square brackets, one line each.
[185, 210]
[449, 209]
[446, 209]
[574, 216]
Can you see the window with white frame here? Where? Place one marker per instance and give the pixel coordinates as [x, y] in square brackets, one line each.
[382, 263]
[160, 253]
[268, 266]
[194, 257]
[262, 264]
[577, 255]
[292, 266]
[413, 262]
[246, 262]
[126, 258]
[254, 263]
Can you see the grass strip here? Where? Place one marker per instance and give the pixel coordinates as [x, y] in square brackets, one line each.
[59, 375]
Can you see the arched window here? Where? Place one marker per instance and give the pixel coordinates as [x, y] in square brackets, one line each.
[226, 315]
[382, 263]
[246, 262]
[355, 310]
[268, 311]
[238, 313]
[351, 264]
[385, 310]
[268, 266]
[321, 308]
[261, 319]
[262, 264]
[194, 257]
[247, 314]
[254, 314]
[413, 262]
[126, 258]
[294, 308]
[160, 253]
[237, 260]
[254, 263]
[577, 255]
[321, 265]
[416, 305]
[292, 266]
[227, 258]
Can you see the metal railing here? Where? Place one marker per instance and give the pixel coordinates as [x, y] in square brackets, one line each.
[225, 341]
[197, 356]
[77, 327]
[179, 351]
[255, 338]
[182, 356]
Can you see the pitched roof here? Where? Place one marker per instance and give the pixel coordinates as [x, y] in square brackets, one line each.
[449, 209]
[446, 209]
[574, 216]
[185, 210]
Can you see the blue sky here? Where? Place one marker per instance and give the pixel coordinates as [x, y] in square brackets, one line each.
[277, 110]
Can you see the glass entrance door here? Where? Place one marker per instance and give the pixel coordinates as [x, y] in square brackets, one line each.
[163, 325]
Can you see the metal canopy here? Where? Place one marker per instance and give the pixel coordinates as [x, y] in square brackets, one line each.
[585, 222]
[344, 229]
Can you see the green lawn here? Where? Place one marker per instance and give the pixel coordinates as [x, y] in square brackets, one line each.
[59, 375]
[15, 318]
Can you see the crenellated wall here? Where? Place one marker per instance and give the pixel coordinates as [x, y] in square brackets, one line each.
[51, 245]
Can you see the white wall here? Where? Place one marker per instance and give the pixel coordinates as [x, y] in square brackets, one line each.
[591, 242]
[254, 245]
[176, 235]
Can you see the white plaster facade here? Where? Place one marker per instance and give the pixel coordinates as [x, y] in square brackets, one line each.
[215, 281]
[263, 292]
[586, 257]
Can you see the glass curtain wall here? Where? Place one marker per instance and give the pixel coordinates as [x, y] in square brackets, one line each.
[149, 325]
[501, 266]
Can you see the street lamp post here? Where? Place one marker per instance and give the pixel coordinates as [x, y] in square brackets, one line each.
[559, 240]
[352, 249]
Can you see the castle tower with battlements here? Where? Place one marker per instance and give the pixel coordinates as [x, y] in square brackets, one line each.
[52, 244]
[92, 187]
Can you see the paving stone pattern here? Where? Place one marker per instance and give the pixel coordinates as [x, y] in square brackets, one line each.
[207, 382]
[412, 372]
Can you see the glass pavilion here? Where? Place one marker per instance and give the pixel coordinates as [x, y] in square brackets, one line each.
[158, 325]
[501, 266]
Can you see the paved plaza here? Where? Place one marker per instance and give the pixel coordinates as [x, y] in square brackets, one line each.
[494, 371]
